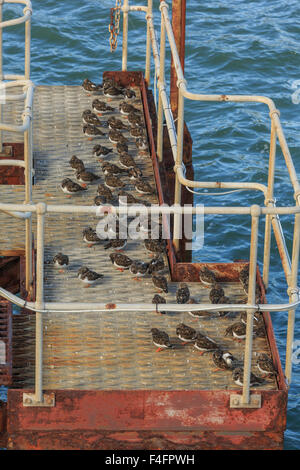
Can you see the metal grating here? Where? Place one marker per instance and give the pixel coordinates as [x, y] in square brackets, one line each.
[104, 351]
[5, 343]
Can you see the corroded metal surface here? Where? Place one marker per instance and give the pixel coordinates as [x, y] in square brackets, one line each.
[146, 420]
[12, 174]
[145, 440]
[5, 342]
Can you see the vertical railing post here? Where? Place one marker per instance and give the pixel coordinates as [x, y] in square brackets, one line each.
[148, 45]
[41, 211]
[269, 202]
[178, 164]
[28, 200]
[125, 35]
[27, 48]
[160, 118]
[255, 213]
[293, 295]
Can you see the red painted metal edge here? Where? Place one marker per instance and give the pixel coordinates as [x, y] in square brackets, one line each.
[10, 273]
[6, 338]
[13, 174]
[146, 410]
[145, 440]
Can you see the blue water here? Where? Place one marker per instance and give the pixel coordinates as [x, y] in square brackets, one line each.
[244, 47]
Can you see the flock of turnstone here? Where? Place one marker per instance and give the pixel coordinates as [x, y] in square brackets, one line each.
[222, 359]
[113, 181]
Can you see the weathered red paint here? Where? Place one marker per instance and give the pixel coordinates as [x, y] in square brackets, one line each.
[225, 272]
[142, 410]
[13, 174]
[6, 338]
[178, 26]
[10, 273]
[145, 440]
[3, 421]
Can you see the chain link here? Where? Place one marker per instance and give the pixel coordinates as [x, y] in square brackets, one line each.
[114, 26]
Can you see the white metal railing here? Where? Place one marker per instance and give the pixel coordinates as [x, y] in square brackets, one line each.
[20, 81]
[270, 211]
[176, 140]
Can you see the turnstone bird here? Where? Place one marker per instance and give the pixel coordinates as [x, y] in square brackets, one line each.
[138, 269]
[135, 119]
[120, 261]
[186, 333]
[137, 132]
[70, 187]
[197, 313]
[103, 190]
[216, 293]
[126, 161]
[156, 265]
[129, 94]
[135, 173]
[259, 330]
[207, 277]
[236, 330]
[126, 108]
[91, 131]
[116, 137]
[223, 300]
[223, 360]
[116, 244]
[90, 87]
[100, 200]
[127, 198]
[122, 147]
[155, 246]
[257, 318]
[76, 163]
[205, 344]
[143, 187]
[116, 124]
[158, 299]
[238, 378]
[87, 276]
[84, 176]
[60, 260]
[112, 92]
[111, 169]
[101, 151]
[113, 182]
[183, 293]
[265, 365]
[160, 282]
[160, 339]
[142, 143]
[244, 279]
[90, 118]
[100, 107]
[90, 236]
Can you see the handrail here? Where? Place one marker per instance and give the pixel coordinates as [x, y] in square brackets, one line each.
[176, 142]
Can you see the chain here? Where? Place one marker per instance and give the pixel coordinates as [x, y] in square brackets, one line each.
[114, 26]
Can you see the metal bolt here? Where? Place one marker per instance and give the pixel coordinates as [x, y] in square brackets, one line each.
[48, 400]
[235, 401]
[28, 401]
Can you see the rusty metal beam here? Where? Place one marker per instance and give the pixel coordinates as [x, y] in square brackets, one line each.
[12, 174]
[145, 440]
[178, 26]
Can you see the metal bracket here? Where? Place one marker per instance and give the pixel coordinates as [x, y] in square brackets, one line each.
[236, 401]
[7, 151]
[48, 400]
